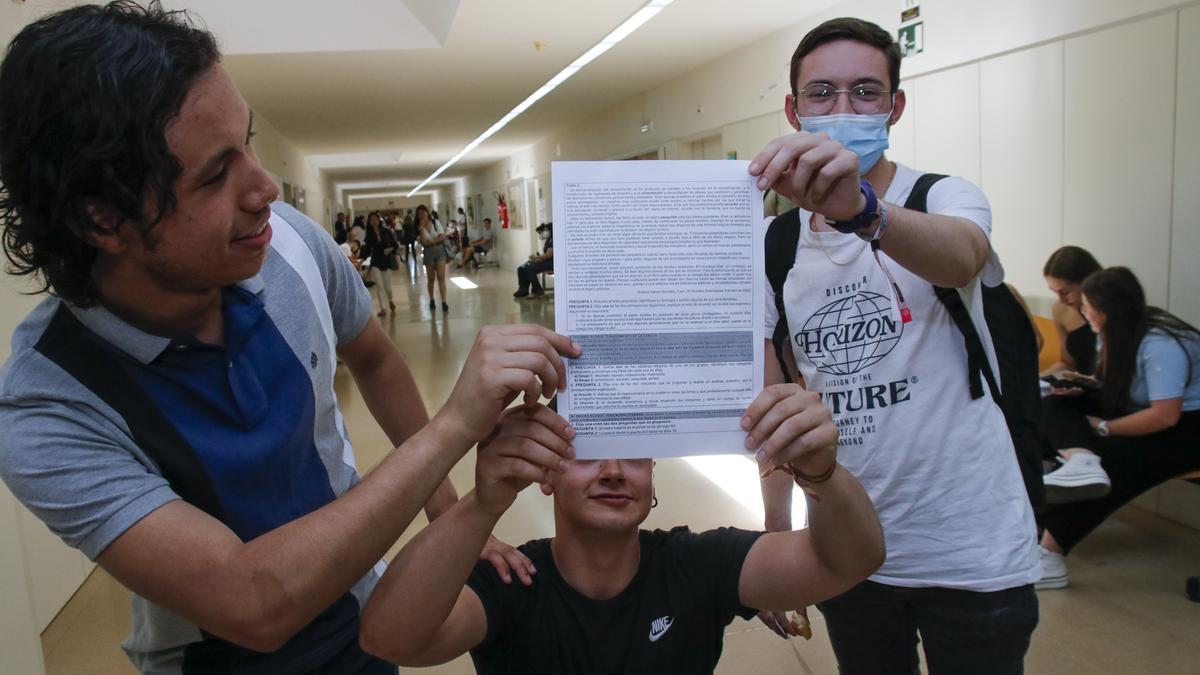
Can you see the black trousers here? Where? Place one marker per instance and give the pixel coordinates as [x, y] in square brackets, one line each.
[875, 629]
[1134, 463]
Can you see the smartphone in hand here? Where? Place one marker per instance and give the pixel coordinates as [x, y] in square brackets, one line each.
[1072, 380]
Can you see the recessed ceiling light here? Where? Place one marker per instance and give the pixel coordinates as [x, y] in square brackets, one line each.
[647, 12]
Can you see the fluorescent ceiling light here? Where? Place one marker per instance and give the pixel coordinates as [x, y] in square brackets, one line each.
[623, 31]
[355, 159]
[738, 478]
[398, 193]
[463, 283]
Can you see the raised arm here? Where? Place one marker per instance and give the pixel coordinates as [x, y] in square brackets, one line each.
[844, 541]
[820, 175]
[259, 593]
[431, 571]
[777, 487]
[391, 394]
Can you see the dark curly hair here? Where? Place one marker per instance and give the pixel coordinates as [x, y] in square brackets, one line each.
[85, 98]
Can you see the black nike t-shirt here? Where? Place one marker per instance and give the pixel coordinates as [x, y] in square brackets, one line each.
[670, 619]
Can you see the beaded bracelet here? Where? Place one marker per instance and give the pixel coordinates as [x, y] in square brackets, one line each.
[803, 480]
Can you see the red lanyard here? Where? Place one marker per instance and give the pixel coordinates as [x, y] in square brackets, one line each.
[905, 313]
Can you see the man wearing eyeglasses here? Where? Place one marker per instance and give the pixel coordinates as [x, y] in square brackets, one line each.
[866, 331]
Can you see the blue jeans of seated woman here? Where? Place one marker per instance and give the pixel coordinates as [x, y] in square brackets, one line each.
[874, 629]
[527, 275]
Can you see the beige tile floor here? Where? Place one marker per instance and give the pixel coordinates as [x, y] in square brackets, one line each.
[1124, 613]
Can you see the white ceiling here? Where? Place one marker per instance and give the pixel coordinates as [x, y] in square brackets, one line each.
[290, 27]
[387, 90]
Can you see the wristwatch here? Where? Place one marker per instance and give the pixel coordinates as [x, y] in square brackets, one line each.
[1102, 428]
[865, 218]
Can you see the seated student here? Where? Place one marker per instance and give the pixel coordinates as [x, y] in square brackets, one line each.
[1144, 427]
[609, 597]
[481, 245]
[1065, 271]
[527, 274]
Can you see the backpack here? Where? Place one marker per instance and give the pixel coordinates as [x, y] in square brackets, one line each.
[1016, 391]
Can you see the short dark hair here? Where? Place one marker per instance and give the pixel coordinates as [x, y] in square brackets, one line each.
[1071, 263]
[85, 98]
[487, 220]
[849, 28]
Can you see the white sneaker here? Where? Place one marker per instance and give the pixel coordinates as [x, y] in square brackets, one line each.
[1054, 571]
[1080, 477]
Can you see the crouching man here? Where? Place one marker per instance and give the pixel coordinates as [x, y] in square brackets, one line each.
[610, 597]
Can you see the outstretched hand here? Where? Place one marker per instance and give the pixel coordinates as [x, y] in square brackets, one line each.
[529, 443]
[508, 561]
[787, 627]
[787, 424]
[506, 362]
[816, 173]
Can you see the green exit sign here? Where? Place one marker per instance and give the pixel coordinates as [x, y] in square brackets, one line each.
[911, 38]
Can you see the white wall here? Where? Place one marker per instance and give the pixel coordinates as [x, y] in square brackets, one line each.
[279, 156]
[25, 592]
[20, 648]
[1185, 219]
[1022, 158]
[22, 559]
[514, 245]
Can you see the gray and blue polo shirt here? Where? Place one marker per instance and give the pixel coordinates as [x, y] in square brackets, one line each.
[104, 423]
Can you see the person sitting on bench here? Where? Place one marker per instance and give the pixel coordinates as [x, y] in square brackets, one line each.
[1143, 427]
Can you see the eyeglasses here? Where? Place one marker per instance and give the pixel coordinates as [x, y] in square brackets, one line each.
[819, 98]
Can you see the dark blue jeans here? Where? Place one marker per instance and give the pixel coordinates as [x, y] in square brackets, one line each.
[527, 275]
[874, 629]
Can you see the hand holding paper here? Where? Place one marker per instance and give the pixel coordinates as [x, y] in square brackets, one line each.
[818, 174]
[787, 424]
[505, 362]
[527, 443]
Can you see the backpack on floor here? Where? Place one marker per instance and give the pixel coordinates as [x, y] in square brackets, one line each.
[1016, 391]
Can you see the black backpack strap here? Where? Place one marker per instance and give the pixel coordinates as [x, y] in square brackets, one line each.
[783, 235]
[977, 362]
[918, 199]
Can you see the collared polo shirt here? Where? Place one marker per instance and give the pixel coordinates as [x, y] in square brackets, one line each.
[105, 423]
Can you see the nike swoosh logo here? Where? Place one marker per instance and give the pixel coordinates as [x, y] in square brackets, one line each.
[659, 627]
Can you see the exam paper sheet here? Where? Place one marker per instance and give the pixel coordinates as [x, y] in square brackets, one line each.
[658, 269]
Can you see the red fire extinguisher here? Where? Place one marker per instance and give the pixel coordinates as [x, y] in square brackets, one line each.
[503, 210]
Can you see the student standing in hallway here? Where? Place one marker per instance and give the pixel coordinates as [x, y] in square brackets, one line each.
[381, 248]
[169, 410]
[433, 252]
[939, 465]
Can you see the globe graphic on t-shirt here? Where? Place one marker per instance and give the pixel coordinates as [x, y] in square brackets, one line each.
[850, 334]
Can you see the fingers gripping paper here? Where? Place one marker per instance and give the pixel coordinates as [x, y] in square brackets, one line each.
[659, 270]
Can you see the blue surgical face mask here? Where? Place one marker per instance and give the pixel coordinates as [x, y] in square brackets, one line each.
[864, 135]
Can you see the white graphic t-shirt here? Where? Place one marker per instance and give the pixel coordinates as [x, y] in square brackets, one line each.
[938, 465]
